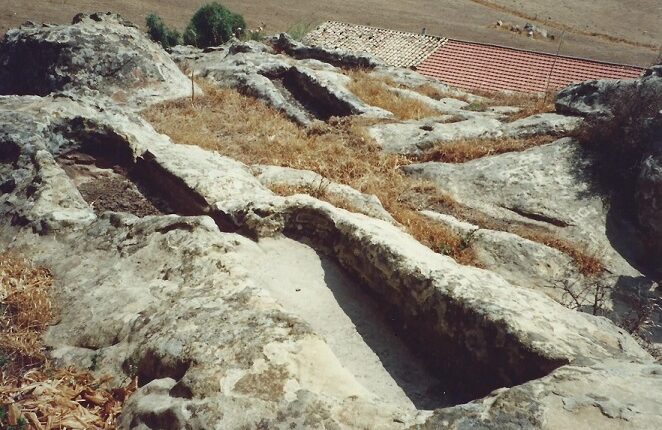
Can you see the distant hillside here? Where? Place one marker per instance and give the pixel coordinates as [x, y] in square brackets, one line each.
[610, 30]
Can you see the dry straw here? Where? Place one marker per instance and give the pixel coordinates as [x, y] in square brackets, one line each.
[247, 130]
[33, 393]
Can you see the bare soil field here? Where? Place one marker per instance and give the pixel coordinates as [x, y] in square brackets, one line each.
[624, 31]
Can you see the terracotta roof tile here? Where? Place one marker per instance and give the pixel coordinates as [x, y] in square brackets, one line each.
[472, 65]
[395, 48]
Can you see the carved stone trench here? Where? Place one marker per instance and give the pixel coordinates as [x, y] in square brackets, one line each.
[317, 100]
[418, 353]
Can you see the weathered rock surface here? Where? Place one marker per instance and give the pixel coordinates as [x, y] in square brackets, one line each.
[599, 396]
[446, 105]
[304, 90]
[528, 187]
[284, 42]
[414, 137]
[317, 185]
[306, 86]
[520, 261]
[99, 52]
[188, 300]
[609, 98]
[330, 90]
[160, 271]
[410, 79]
[625, 116]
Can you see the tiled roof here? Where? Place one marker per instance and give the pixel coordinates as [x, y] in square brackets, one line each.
[473, 65]
[395, 48]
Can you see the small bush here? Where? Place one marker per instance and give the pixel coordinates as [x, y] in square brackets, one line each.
[159, 33]
[213, 25]
[190, 37]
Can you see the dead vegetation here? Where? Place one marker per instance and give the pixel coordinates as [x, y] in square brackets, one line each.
[26, 313]
[461, 150]
[528, 103]
[319, 191]
[587, 263]
[592, 297]
[375, 91]
[245, 129]
[33, 393]
[438, 94]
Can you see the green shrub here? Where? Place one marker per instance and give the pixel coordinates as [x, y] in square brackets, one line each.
[213, 25]
[190, 36]
[174, 38]
[159, 33]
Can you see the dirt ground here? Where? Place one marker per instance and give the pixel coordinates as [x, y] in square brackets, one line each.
[625, 31]
[107, 187]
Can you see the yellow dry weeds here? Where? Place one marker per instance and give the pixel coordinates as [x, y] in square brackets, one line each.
[461, 150]
[438, 94]
[586, 263]
[245, 129]
[376, 92]
[528, 103]
[25, 312]
[34, 394]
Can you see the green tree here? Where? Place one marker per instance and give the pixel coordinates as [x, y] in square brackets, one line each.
[190, 36]
[213, 25]
[159, 33]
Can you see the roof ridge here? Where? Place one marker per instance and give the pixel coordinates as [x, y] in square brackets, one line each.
[390, 30]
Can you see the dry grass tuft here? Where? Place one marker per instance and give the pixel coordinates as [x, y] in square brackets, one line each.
[528, 103]
[375, 92]
[33, 394]
[26, 311]
[245, 129]
[319, 192]
[459, 151]
[586, 263]
[437, 94]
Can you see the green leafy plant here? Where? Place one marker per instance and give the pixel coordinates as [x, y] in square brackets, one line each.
[213, 25]
[190, 36]
[160, 33]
